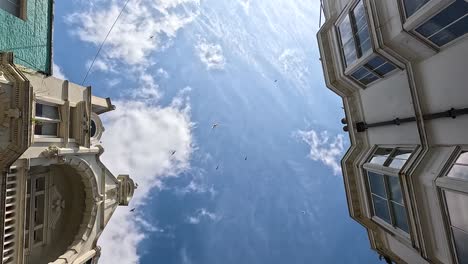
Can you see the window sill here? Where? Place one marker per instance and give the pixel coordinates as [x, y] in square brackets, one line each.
[402, 235]
[40, 139]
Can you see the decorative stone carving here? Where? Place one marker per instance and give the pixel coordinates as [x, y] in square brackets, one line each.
[51, 152]
[57, 204]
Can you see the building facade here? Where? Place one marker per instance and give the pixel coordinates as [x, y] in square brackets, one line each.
[401, 67]
[26, 30]
[56, 196]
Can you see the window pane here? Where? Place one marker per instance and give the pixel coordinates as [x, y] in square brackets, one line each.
[442, 20]
[381, 208]
[457, 206]
[28, 213]
[463, 158]
[395, 190]
[360, 73]
[38, 235]
[459, 172]
[454, 31]
[46, 129]
[40, 184]
[359, 14]
[461, 244]
[369, 79]
[380, 156]
[39, 209]
[375, 62]
[411, 6]
[349, 51]
[377, 185]
[345, 30]
[47, 111]
[399, 212]
[385, 69]
[399, 158]
[363, 41]
[11, 6]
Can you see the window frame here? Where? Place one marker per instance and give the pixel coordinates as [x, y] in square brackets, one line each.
[386, 172]
[421, 16]
[444, 183]
[30, 197]
[47, 120]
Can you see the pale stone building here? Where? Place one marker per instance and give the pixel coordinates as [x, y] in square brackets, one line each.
[401, 67]
[56, 195]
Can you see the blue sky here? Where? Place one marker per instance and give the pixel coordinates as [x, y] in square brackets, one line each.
[264, 186]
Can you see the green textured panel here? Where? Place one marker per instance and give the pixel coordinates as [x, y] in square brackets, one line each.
[29, 39]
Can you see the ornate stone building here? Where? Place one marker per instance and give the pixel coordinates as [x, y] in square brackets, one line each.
[56, 195]
[401, 68]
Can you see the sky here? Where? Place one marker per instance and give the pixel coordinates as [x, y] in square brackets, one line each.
[264, 185]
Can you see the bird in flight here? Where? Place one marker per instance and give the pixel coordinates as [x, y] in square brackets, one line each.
[303, 212]
[217, 167]
[245, 158]
[215, 125]
[151, 37]
[276, 80]
[132, 210]
[173, 152]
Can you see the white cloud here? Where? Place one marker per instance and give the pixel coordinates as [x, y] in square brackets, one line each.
[245, 5]
[138, 140]
[163, 73]
[210, 54]
[323, 149]
[57, 72]
[202, 214]
[144, 26]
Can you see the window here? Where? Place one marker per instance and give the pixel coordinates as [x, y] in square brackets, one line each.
[46, 121]
[35, 210]
[457, 209]
[411, 6]
[354, 33]
[355, 42]
[446, 26]
[93, 129]
[454, 189]
[386, 195]
[375, 69]
[11, 6]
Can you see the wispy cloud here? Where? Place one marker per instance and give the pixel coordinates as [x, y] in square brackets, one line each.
[202, 214]
[210, 54]
[323, 148]
[144, 27]
[245, 5]
[57, 72]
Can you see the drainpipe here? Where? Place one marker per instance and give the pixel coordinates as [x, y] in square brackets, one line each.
[414, 90]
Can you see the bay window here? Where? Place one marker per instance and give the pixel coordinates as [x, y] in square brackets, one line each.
[46, 120]
[454, 191]
[361, 63]
[385, 188]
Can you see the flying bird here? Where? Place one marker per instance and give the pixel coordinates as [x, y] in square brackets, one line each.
[276, 80]
[217, 167]
[245, 158]
[173, 152]
[215, 125]
[132, 210]
[303, 212]
[151, 37]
